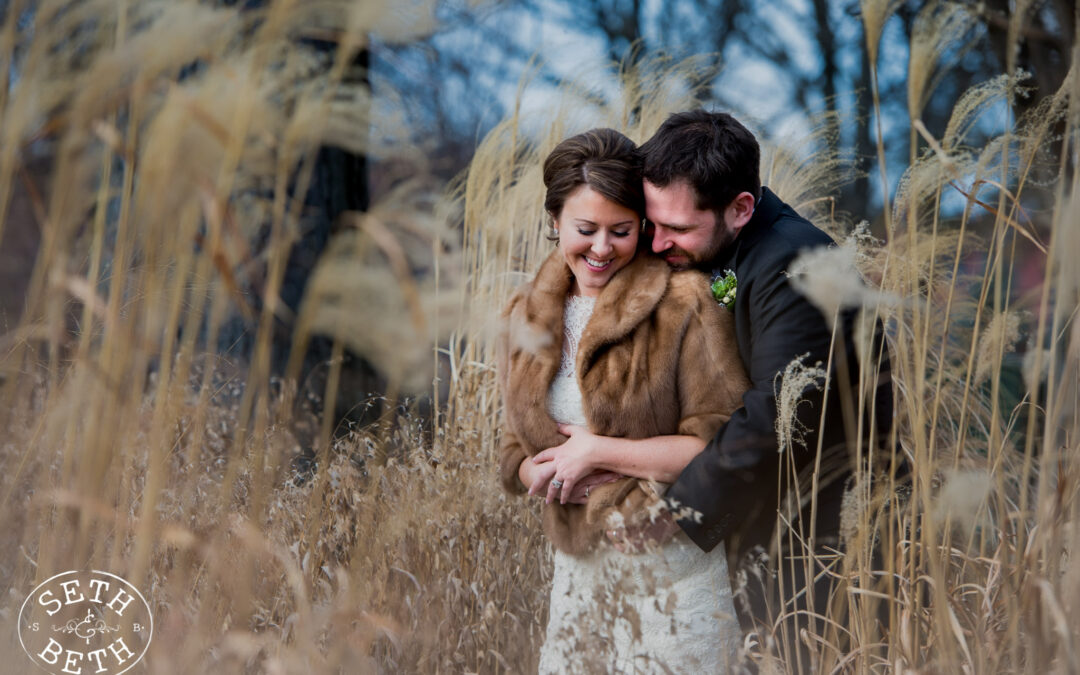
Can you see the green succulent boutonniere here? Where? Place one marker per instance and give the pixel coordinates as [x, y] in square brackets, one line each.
[723, 288]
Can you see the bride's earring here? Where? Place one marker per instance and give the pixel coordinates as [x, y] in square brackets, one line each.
[553, 231]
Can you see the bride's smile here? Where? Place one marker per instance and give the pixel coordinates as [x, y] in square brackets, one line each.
[597, 237]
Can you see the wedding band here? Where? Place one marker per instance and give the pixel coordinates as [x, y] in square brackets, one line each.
[556, 483]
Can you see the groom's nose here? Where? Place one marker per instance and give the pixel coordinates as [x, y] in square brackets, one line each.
[660, 240]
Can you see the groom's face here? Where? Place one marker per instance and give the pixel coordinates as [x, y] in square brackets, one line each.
[682, 234]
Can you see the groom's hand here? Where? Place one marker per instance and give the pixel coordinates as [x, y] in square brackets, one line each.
[580, 493]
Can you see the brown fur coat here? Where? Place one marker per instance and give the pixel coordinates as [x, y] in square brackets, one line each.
[657, 357]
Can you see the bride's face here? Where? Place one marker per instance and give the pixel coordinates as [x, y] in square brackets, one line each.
[597, 237]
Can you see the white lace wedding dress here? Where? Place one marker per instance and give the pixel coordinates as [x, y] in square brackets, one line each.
[669, 611]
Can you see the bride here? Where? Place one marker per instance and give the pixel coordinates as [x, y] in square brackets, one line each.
[610, 339]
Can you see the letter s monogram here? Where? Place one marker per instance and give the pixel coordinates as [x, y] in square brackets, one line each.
[45, 603]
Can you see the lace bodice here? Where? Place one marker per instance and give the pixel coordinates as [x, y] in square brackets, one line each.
[564, 396]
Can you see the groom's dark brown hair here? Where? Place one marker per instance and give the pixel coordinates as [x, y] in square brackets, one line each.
[713, 152]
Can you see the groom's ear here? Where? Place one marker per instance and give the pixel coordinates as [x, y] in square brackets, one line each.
[739, 211]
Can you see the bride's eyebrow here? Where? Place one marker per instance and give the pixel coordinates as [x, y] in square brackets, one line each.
[590, 222]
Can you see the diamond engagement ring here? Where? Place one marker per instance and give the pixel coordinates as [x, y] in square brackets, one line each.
[556, 483]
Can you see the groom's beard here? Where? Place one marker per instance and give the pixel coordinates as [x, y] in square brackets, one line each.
[703, 259]
[680, 259]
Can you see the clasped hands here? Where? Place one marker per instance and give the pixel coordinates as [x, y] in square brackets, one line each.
[569, 471]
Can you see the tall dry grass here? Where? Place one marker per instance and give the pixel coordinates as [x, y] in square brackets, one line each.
[129, 447]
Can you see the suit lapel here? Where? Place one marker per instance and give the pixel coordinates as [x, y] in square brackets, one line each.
[766, 212]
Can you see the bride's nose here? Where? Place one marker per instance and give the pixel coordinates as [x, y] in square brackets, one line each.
[602, 244]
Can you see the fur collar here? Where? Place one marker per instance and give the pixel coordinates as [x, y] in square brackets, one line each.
[630, 296]
[535, 324]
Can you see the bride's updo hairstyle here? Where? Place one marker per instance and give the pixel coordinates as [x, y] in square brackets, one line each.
[603, 159]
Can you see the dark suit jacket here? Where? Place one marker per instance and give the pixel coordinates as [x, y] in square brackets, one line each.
[733, 482]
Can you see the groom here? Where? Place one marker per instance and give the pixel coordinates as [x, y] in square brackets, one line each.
[707, 209]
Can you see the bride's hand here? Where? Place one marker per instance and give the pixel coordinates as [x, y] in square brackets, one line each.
[573, 461]
[538, 476]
